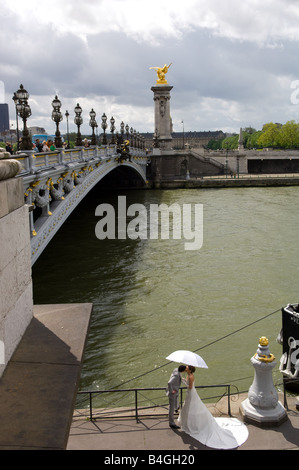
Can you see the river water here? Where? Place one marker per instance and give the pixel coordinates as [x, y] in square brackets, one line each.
[152, 297]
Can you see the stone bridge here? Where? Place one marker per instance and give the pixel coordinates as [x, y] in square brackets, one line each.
[55, 183]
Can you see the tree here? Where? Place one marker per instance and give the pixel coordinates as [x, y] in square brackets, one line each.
[230, 142]
[289, 135]
[214, 144]
[252, 140]
[269, 136]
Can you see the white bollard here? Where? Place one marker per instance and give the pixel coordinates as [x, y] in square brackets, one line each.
[262, 406]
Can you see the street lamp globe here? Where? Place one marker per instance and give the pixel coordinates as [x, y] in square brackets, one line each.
[22, 94]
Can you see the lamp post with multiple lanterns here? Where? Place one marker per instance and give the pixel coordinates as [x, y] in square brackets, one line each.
[78, 121]
[122, 130]
[112, 129]
[104, 127]
[57, 118]
[24, 111]
[93, 124]
[67, 128]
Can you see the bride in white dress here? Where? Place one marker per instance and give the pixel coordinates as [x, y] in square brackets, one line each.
[196, 420]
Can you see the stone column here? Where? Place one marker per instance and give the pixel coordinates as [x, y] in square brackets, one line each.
[262, 407]
[240, 141]
[163, 125]
[16, 309]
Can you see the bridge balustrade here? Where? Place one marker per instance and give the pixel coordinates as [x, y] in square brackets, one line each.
[32, 161]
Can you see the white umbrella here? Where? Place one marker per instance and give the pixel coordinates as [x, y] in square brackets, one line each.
[189, 358]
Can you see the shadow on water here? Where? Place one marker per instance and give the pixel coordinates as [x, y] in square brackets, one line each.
[76, 267]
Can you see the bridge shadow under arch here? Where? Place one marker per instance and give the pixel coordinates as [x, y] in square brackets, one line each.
[122, 177]
[46, 223]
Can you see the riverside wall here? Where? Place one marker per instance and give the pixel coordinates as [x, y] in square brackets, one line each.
[16, 307]
[243, 182]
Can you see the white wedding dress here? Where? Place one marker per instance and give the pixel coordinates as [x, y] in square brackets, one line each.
[219, 433]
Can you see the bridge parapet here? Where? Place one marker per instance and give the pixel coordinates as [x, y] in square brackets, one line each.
[35, 162]
[55, 182]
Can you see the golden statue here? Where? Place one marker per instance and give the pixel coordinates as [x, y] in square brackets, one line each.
[161, 72]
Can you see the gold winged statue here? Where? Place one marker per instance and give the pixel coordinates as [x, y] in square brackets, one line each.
[161, 72]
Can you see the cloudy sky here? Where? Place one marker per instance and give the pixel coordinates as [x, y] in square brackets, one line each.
[234, 63]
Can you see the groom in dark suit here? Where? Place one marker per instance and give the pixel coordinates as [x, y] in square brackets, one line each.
[173, 393]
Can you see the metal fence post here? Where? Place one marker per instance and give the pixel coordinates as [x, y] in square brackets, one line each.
[90, 406]
[228, 398]
[136, 405]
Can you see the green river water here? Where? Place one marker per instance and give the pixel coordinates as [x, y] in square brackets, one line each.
[152, 297]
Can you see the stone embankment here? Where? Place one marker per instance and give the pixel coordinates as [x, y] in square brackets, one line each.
[246, 181]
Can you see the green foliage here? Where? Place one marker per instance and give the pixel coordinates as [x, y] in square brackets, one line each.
[214, 144]
[289, 135]
[269, 136]
[252, 140]
[280, 136]
[230, 142]
[250, 137]
[272, 135]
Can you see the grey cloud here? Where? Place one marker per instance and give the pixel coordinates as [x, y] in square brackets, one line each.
[244, 76]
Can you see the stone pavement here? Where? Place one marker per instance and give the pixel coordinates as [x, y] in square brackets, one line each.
[153, 433]
[39, 385]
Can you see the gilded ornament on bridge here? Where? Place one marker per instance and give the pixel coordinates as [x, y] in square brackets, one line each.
[263, 354]
[161, 72]
[263, 341]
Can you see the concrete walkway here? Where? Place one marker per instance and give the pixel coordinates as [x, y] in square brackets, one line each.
[39, 385]
[153, 433]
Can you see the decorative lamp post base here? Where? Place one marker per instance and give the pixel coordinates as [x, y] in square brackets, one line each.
[262, 407]
[263, 418]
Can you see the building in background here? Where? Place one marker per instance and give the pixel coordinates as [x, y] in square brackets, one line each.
[4, 118]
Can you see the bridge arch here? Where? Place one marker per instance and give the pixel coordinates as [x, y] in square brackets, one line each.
[53, 189]
[123, 176]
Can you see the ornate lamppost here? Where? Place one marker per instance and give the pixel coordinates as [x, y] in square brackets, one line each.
[97, 136]
[131, 137]
[122, 130]
[104, 127]
[112, 129]
[24, 111]
[57, 118]
[138, 140]
[78, 121]
[17, 121]
[93, 124]
[67, 128]
[127, 131]
[135, 138]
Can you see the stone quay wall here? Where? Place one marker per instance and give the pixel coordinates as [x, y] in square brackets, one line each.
[16, 301]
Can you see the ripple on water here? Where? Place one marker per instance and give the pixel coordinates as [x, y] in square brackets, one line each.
[151, 297]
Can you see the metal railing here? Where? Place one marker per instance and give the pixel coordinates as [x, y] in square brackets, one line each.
[127, 411]
[255, 176]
